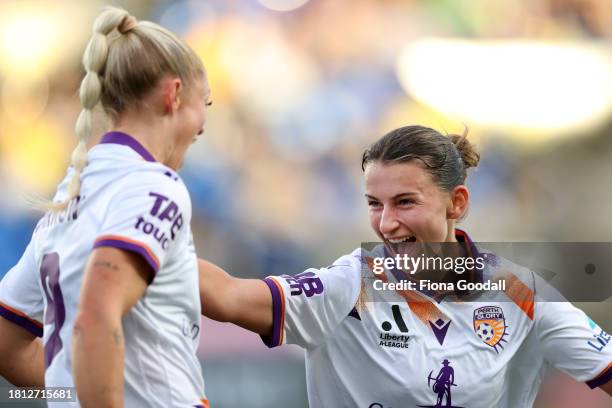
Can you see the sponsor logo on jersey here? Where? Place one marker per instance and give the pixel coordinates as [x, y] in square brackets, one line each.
[440, 328]
[307, 283]
[490, 326]
[392, 340]
[164, 211]
[600, 338]
[190, 329]
[442, 385]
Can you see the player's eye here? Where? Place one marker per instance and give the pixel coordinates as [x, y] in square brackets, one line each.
[405, 202]
[373, 204]
[208, 103]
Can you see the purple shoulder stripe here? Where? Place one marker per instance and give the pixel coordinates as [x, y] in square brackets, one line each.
[22, 321]
[278, 314]
[602, 378]
[131, 247]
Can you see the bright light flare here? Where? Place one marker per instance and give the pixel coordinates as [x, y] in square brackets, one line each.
[516, 84]
[282, 5]
[36, 36]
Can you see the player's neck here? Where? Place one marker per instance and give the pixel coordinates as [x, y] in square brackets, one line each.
[151, 134]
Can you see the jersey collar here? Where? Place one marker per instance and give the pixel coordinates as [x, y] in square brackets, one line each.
[474, 275]
[127, 140]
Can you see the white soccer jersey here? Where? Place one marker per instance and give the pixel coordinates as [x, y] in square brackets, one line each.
[405, 349]
[131, 202]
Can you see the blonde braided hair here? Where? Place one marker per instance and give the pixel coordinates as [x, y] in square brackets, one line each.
[112, 77]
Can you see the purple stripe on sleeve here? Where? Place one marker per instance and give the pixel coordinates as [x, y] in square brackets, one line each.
[128, 246]
[277, 315]
[601, 379]
[21, 321]
[127, 140]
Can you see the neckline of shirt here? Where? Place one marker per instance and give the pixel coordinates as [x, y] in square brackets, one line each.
[120, 138]
[474, 275]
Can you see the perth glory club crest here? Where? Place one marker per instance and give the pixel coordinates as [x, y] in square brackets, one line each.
[490, 326]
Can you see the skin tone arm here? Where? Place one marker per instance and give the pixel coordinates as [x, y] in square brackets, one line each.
[607, 387]
[21, 356]
[244, 302]
[114, 281]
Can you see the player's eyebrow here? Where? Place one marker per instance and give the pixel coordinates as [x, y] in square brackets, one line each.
[395, 197]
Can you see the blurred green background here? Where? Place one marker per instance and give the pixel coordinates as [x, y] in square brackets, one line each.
[300, 88]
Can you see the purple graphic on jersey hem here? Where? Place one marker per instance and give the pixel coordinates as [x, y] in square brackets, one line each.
[127, 246]
[21, 321]
[601, 379]
[127, 140]
[442, 385]
[440, 327]
[277, 310]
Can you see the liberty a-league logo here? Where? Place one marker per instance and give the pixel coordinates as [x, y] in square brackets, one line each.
[490, 326]
[391, 340]
[441, 385]
[600, 338]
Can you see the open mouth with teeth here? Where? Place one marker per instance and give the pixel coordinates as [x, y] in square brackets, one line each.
[407, 238]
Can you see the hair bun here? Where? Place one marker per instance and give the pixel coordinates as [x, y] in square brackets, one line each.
[466, 149]
[127, 24]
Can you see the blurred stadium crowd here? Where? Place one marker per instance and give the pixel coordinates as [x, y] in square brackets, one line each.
[300, 88]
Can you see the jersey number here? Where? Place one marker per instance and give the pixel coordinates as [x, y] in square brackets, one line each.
[56, 312]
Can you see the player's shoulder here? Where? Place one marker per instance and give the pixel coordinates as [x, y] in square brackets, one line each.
[153, 179]
[498, 267]
[352, 261]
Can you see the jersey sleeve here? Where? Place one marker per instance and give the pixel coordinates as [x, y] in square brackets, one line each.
[21, 300]
[147, 217]
[308, 307]
[571, 342]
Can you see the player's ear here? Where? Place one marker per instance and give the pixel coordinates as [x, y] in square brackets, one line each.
[171, 89]
[458, 202]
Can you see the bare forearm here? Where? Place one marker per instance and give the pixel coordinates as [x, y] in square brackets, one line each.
[244, 302]
[214, 280]
[98, 358]
[23, 364]
[255, 312]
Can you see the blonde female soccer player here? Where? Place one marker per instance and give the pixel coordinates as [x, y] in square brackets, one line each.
[414, 348]
[111, 273]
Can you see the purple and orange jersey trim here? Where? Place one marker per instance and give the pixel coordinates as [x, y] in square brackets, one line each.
[601, 378]
[204, 404]
[21, 319]
[131, 245]
[278, 314]
[521, 295]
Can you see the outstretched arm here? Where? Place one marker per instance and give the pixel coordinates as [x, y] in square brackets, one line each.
[244, 302]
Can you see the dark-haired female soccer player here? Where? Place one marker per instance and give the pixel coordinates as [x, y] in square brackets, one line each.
[409, 348]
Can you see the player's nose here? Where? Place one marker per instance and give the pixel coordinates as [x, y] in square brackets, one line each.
[388, 222]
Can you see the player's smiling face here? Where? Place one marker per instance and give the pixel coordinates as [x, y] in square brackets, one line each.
[406, 204]
[192, 118]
